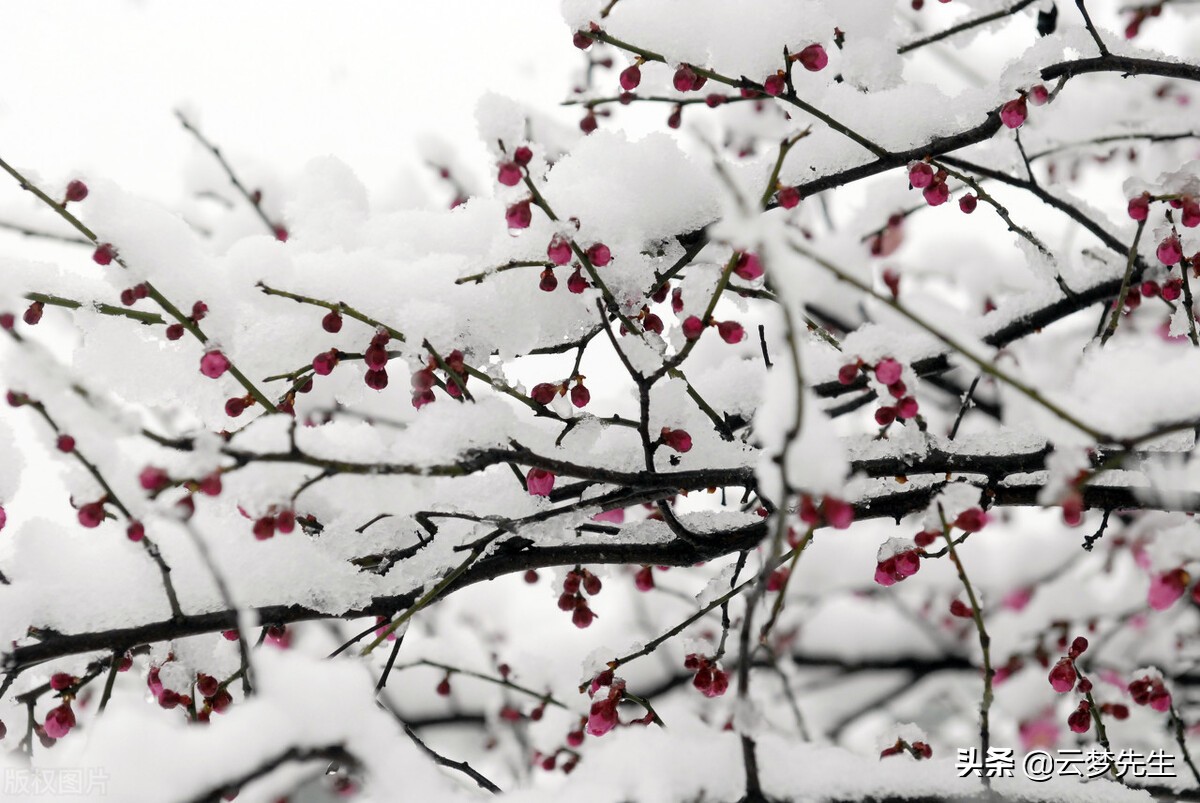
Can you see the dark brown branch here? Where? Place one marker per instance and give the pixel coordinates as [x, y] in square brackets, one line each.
[333, 753]
[964, 26]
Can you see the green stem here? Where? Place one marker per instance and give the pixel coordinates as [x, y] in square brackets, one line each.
[1125, 282]
[151, 290]
[985, 640]
[148, 318]
[790, 98]
[336, 306]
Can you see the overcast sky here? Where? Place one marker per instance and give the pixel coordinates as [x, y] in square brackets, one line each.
[90, 85]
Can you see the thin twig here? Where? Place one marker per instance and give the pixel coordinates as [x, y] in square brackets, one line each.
[251, 198]
[1119, 304]
[1087, 20]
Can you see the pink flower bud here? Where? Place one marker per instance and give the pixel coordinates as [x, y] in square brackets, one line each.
[591, 583]
[104, 254]
[907, 563]
[285, 521]
[839, 514]
[599, 255]
[323, 364]
[1170, 252]
[1062, 676]
[577, 284]
[76, 191]
[1190, 217]
[888, 371]
[777, 579]
[235, 406]
[971, 521]
[509, 174]
[153, 478]
[264, 528]
[936, 193]
[571, 583]
[423, 398]
[559, 251]
[91, 514]
[33, 313]
[814, 58]
[213, 364]
[375, 357]
[644, 579]
[544, 392]
[1080, 720]
[59, 721]
[221, 700]
[378, 380]
[1167, 587]
[630, 78]
[332, 322]
[1013, 113]
[731, 331]
[519, 216]
[676, 439]
[1139, 207]
[693, 327]
[583, 617]
[920, 175]
[539, 481]
[926, 537]
[719, 684]
[580, 396]
[685, 79]
[747, 266]
[892, 280]
[602, 717]
[61, 681]
[207, 685]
